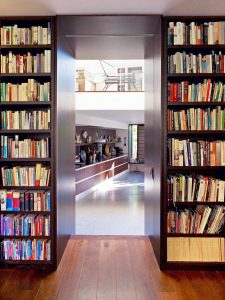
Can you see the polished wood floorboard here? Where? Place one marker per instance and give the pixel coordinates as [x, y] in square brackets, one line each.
[110, 268]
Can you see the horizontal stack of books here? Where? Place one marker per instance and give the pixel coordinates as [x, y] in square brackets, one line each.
[12, 147]
[35, 119]
[203, 219]
[196, 119]
[25, 201]
[26, 63]
[186, 91]
[37, 175]
[31, 90]
[207, 33]
[195, 188]
[23, 249]
[183, 63]
[35, 35]
[196, 153]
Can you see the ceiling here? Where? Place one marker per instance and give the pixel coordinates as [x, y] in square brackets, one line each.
[166, 7]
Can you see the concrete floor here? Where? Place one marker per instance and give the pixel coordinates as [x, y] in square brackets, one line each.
[117, 208]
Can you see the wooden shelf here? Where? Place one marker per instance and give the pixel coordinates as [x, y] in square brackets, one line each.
[195, 168]
[26, 262]
[25, 212]
[25, 75]
[196, 132]
[197, 47]
[95, 143]
[193, 104]
[195, 235]
[25, 131]
[43, 237]
[201, 75]
[194, 203]
[38, 188]
[25, 160]
[25, 103]
[11, 47]
[26, 188]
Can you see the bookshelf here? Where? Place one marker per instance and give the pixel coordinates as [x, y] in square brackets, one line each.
[27, 99]
[190, 89]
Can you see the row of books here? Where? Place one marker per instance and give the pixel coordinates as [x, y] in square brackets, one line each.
[196, 153]
[23, 119]
[203, 219]
[26, 63]
[196, 249]
[186, 91]
[12, 147]
[37, 175]
[196, 119]
[26, 225]
[183, 63]
[31, 90]
[25, 201]
[35, 35]
[18, 225]
[207, 33]
[191, 188]
[15, 249]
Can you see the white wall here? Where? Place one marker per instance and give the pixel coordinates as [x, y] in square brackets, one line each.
[86, 119]
[110, 101]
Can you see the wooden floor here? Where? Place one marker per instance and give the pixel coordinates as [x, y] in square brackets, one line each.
[109, 268]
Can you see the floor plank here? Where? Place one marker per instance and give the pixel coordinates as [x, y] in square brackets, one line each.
[110, 268]
[87, 289]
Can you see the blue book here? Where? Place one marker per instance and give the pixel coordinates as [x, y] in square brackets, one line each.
[9, 201]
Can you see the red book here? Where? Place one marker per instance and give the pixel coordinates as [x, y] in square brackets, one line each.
[175, 92]
[171, 92]
[16, 201]
[185, 91]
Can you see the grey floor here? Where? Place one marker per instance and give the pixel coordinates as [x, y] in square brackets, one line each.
[117, 208]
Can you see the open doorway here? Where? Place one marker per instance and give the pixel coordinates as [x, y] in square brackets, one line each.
[139, 37]
[109, 150]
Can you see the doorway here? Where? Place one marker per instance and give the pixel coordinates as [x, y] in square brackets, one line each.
[129, 37]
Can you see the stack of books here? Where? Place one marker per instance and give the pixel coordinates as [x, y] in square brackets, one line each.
[26, 63]
[196, 153]
[195, 188]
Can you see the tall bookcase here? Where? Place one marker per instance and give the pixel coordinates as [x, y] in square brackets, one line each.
[189, 249]
[37, 194]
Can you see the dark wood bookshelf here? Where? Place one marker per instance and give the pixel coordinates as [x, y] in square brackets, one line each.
[166, 170]
[193, 104]
[208, 235]
[26, 237]
[195, 168]
[11, 47]
[25, 131]
[26, 262]
[194, 203]
[193, 47]
[25, 212]
[26, 188]
[196, 132]
[25, 103]
[25, 160]
[31, 133]
[3, 75]
[195, 75]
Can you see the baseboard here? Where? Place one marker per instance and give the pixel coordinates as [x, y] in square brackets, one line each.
[100, 185]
